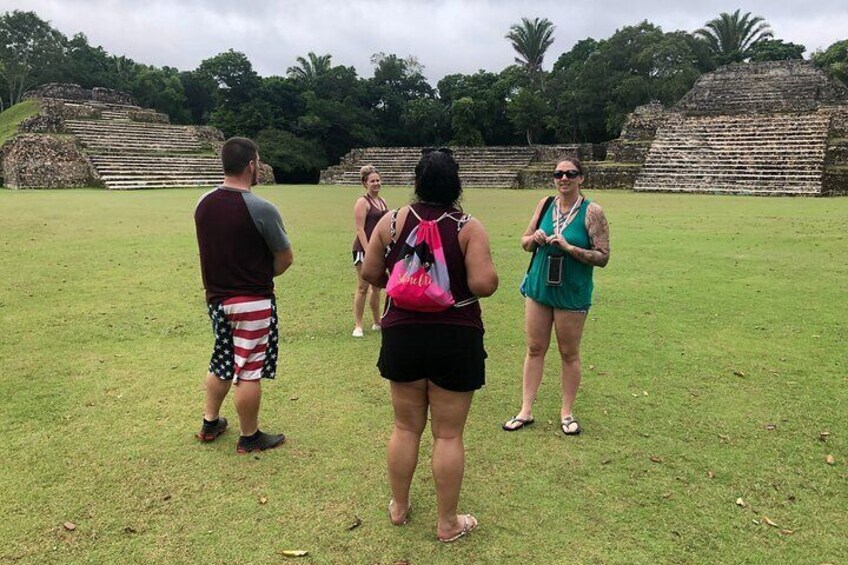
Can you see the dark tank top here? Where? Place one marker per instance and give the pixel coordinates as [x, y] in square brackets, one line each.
[464, 316]
[376, 210]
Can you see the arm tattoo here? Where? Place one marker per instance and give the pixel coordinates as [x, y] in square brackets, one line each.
[598, 228]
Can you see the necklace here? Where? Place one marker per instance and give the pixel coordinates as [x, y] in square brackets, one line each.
[559, 223]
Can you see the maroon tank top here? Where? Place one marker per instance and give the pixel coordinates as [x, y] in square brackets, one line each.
[464, 316]
[376, 210]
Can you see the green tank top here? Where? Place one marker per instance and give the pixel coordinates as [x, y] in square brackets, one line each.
[575, 292]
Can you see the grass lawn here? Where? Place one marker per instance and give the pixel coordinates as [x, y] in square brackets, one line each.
[714, 359]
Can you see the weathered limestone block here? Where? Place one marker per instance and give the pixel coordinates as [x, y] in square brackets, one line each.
[266, 173]
[835, 182]
[770, 87]
[837, 153]
[148, 116]
[70, 91]
[45, 161]
[599, 175]
[208, 133]
[555, 153]
[59, 108]
[42, 124]
[642, 123]
[622, 151]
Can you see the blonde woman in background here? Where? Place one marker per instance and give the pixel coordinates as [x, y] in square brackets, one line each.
[367, 211]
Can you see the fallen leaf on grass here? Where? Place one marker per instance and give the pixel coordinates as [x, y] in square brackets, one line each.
[602, 373]
[666, 495]
[739, 373]
[294, 553]
[356, 523]
[591, 367]
[402, 562]
[294, 398]
[768, 521]
[770, 427]
[70, 526]
[823, 435]
[656, 459]
[741, 502]
[830, 460]
[710, 475]
[755, 521]
[263, 499]
[129, 530]
[645, 393]
[787, 532]
[724, 437]
[606, 461]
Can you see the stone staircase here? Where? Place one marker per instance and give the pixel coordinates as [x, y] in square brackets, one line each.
[493, 167]
[126, 136]
[758, 154]
[130, 171]
[132, 155]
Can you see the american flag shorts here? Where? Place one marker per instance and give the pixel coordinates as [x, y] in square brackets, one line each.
[246, 338]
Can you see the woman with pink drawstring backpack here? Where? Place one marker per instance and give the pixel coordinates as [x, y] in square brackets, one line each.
[435, 262]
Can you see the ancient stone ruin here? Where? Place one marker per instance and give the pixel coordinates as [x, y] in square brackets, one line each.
[493, 167]
[99, 137]
[775, 128]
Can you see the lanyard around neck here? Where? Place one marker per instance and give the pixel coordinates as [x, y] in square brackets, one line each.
[557, 215]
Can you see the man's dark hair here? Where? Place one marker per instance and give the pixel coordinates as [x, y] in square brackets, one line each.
[236, 153]
[437, 178]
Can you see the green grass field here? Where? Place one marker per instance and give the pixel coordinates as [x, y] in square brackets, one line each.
[714, 359]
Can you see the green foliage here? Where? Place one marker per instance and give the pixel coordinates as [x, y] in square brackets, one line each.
[834, 60]
[11, 118]
[527, 112]
[426, 122]
[31, 51]
[489, 93]
[201, 93]
[531, 40]
[234, 74]
[395, 84]
[730, 37]
[161, 90]
[464, 123]
[595, 85]
[307, 70]
[294, 159]
[775, 50]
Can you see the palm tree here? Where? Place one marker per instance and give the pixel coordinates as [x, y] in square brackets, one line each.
[309, 70]
[531, 39]
[731, 36]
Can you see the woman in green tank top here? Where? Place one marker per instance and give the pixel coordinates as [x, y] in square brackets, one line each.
[568, 236]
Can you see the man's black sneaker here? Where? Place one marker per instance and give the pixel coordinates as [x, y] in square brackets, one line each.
[210, 430]
[260, 441]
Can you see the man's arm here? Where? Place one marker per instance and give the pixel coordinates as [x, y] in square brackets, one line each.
[282, 261]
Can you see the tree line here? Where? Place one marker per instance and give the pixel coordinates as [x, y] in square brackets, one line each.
[308, 117]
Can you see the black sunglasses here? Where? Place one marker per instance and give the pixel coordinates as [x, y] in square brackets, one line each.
[446, 150]
[569, 174]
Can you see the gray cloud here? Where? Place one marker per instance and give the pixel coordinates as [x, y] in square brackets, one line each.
[446, 36]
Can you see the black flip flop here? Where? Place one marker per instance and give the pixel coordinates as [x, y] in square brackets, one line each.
[566, 424]
[524, 423]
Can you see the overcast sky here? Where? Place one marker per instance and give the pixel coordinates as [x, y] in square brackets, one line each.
[447, 36]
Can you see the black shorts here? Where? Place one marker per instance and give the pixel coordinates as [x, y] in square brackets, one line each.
[450, 356]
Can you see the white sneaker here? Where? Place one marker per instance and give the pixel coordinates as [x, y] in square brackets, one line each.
[357, 332]
[375, 327]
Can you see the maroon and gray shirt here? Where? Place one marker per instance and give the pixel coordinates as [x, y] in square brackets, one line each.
[238, 234]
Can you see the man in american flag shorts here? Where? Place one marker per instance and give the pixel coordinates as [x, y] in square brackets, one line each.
[243, 246]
